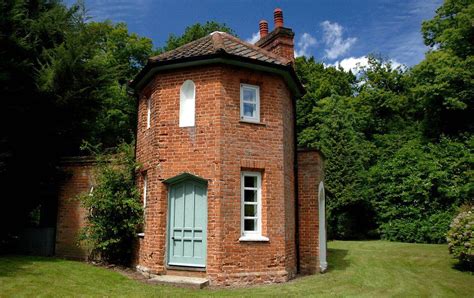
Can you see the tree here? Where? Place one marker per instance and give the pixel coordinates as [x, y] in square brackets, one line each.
[87, 77]
[27, 138]
[444, 81]
[62, 80]
[451, 28]
[194, 32]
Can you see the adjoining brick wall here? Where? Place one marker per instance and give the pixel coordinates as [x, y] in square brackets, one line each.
[217, 149]
[310, 174]
[71, 216]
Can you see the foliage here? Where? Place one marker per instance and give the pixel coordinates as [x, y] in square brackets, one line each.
[115, 211]
[451, 28]
[29, 144]
[415, 190]
[461, 237]
[62, 80]
[194, 32]
[398, 142]
[86, 76]
[444, 81]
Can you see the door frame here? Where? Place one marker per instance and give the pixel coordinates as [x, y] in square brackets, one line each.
[170, 182]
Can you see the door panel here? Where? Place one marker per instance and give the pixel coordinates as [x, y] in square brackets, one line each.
[187, 224]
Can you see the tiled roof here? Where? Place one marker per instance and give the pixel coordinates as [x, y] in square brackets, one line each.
[218, 42]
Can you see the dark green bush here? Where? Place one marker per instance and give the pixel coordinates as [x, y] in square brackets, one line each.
[115, 210]
[461, 237]
[415, 189]
[427, 230]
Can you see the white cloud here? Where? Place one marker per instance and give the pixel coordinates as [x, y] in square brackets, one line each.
[255, 37]
[305, 42]
[355, 64]
[336, 45]
[352, 63]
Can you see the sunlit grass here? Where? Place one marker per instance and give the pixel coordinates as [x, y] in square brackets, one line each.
[357, 268]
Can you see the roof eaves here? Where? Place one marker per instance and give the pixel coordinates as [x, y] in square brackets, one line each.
[221, 56]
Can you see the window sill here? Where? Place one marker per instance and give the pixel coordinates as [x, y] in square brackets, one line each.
[141, 235]
[252, 122]
[254, 239]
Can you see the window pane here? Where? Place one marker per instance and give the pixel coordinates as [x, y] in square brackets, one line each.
[250, 94]
[187, 89]
[250, 210]
[250, 195]
[250, 225]
[250, 181]
[250, 110]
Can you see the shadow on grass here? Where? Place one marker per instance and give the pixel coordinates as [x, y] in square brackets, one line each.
[337, 259]
[463, 267]
[11, 265]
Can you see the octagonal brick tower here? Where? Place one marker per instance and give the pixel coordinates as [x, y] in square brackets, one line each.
[216, 141]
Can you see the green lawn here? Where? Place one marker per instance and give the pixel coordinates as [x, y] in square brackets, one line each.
[357, 268]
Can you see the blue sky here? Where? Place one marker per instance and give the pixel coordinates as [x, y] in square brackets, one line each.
[333, 31]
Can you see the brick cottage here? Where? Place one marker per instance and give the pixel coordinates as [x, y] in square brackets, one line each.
[227, 195]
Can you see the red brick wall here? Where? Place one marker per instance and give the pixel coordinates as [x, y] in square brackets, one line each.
[280, 42]
[217, 149]
[71, 216]
[282, 46]
[166, 150]
[310, 174]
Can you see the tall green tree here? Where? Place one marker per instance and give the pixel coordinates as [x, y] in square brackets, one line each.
[27, 128]
[444, 81]
[63, 80]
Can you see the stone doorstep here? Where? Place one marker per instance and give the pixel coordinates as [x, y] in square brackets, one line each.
[179, 281]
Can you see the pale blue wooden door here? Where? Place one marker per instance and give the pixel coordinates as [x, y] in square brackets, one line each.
[187, 224]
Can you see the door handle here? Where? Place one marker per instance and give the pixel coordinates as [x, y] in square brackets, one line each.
[172, 237]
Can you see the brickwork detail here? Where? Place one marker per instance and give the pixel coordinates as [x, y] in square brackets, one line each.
[310, 174]
[71, 216]
[218, 148]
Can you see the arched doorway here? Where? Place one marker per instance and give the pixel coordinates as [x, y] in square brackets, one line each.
[323, 264]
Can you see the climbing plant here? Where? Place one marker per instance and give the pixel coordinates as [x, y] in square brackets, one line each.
[114, 208]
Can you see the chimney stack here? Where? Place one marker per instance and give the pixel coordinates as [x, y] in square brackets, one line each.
[278, 17]
[263, 25]
[280, 40]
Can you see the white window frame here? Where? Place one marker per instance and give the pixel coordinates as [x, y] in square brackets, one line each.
[148, 112]
[251, 235]
[187, 106]
[257, 92]
[145, 194]
[145, 190]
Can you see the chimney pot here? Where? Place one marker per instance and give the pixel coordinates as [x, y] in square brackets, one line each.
[263, 25]
[278, 17]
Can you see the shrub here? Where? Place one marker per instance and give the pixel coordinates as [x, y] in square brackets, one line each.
[416, 188]
[461, 237]
[432, 229]
[115, 211]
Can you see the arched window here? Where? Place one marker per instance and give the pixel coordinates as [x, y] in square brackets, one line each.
[187, 103]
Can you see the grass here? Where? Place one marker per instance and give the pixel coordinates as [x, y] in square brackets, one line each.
[357, 268]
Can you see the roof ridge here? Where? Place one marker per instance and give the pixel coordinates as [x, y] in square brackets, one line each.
[186, 45]
[217, 41]
[259, 49]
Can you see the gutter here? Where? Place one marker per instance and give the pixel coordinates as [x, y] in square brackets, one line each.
[286, 71]
[297, 211]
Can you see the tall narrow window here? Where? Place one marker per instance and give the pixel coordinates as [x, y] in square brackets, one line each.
[187, 102]
[249, 103]
[145, 189]
[251, 212]
[148, 112]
